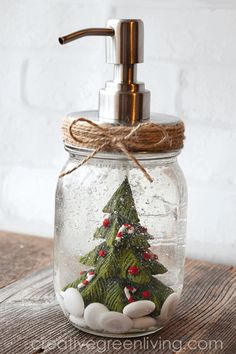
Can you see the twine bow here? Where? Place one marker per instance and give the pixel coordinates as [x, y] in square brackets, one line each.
[116, 141]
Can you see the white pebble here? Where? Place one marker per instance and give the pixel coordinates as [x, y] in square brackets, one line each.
[79, 321]
[115, 322]
[144, 322]
[74, 302]
[168, 308]
[92, 314]
[139, 308]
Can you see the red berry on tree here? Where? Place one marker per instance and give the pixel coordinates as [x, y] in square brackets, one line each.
[119, 234]
[147, 256]
[85, 281]
[130, 300]
[133, 270]
[146, 294]
[102, 253]
[106, 222]
[130, 288]
[82, 272]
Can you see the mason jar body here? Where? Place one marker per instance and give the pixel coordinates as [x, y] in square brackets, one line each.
[119, 253]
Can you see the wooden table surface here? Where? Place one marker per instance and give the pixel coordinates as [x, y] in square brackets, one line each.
[32, 322]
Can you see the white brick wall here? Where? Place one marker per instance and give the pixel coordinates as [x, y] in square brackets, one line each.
[190, 67]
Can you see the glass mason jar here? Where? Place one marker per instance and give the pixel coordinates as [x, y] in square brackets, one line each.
[120, 242]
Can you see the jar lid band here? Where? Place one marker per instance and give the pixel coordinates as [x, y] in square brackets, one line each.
[144, 137]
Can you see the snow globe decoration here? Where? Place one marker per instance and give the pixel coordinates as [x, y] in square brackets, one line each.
[121, 198]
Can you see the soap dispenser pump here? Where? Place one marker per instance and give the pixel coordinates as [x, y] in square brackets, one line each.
[124, 100]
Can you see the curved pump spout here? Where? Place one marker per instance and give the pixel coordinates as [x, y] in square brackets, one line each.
[86, 32]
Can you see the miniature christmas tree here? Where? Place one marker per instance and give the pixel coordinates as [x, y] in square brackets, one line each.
[122, 266]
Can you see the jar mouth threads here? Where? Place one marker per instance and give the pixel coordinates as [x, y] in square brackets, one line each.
[142, 156]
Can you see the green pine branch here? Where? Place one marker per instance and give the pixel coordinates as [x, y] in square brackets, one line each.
[122, 203]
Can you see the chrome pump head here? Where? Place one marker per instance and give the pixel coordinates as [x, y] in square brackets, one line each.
[124, 100]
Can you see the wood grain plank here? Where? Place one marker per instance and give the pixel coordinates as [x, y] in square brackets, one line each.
[207, 312]
[21, 255]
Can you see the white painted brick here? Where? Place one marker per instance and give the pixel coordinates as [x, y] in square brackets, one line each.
[208, 94]
[65, 83]
[28, 194]
[216, 253]
[211, 222]
[34, 24]
[178, 4]
[208, 154]
[163, 82]
[31, 138]
[186, 35]
[10, 79]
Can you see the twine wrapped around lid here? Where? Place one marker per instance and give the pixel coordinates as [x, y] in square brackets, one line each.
[144, 137]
